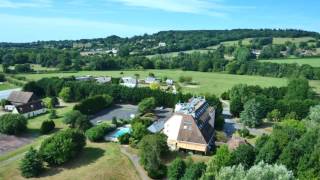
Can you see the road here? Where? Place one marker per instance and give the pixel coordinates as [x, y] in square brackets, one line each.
[231, 124]
[5, 93]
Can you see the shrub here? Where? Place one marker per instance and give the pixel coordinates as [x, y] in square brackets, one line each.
[31, 165]
[65, 94]
[244, 132]
[94, 104]
[76, 119]
[12, 124]
[195, 171]
[147, 105]
[225, 96]
[47, 126]
[176, 169]
[53, 114]
[97, 133]
[62, 146]
[124, 139]
[2, 77]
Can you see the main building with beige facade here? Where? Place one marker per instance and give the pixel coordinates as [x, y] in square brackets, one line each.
[192, 126]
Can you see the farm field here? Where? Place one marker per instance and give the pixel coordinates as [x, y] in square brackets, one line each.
[215, 83]
[315, 62]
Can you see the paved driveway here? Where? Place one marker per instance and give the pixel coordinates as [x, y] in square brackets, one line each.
[123, 111]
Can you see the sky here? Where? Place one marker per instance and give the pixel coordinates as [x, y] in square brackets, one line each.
[33, 20]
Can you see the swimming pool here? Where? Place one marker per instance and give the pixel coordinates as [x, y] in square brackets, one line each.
[121, 132]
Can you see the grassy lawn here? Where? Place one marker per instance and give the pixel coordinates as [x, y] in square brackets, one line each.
[215, 83]
[315, 62]
[6, 85]
[38, 67]
[97, 161]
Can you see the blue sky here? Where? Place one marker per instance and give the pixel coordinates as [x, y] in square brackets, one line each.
[32, 20]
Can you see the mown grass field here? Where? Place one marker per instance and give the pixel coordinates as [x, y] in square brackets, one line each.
[97, 161]
[6, 85]
[315, 62]
[208, 82]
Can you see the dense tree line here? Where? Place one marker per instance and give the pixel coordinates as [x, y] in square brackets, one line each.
[253, 103]
[175, 40]
[78, 91]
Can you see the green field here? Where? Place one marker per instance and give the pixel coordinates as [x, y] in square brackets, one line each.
[246, 41]
[6, 85]
[315, 62]
[215, 83]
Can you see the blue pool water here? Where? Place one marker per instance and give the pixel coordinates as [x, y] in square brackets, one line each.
[120, 132]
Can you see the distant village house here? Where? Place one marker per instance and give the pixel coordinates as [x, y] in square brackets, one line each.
[129, 82]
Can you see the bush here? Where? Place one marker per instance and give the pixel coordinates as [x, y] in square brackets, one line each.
[53, 114]
[244, 132]
[147, 105]
[47, 126]
[13, 124]
[176, 169]
[124, 139]
[94, 104]
[97, 133]
[75, 119]
[225, 96]
[2, 77]
[31, 165]
[62, 147]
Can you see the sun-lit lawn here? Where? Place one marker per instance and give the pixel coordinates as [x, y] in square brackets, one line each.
[315, 62]
[215, 83]
[6, 85]
[38, 67]
[97, 161]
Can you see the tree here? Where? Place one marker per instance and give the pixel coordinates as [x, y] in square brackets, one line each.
[53, 114]
[244, 154]
[31, 165]
[298, 89]
[2, 77]
[154, 86]
[76, 119]
[252, 114]
[65, 94]
[242, 54]
[269, 152]
[261, 171]
[274, 115]
[62, 146]
[94, 104]
[314, 114]
[176, 169]
[47, 126]
[12, 124]
[236, 106]
[221, 159]
[139, 130]
[147, 105]
[195, 171]
[151, 149]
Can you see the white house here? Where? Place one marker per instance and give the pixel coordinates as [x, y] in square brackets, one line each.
[30, 109]
[129, 82]
[162, 44]
[169, 82]
[84, 78]
[150, 80]
[103, 80]
[25, 103]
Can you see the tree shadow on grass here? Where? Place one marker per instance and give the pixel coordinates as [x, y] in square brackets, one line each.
[88, 156]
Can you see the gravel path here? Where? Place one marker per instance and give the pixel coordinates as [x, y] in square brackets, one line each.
[135, 160]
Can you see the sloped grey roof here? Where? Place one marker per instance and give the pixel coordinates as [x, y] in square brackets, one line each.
[20, 97]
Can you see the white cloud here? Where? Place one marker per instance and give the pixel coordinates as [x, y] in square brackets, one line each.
[25, 4]
[207, 7]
